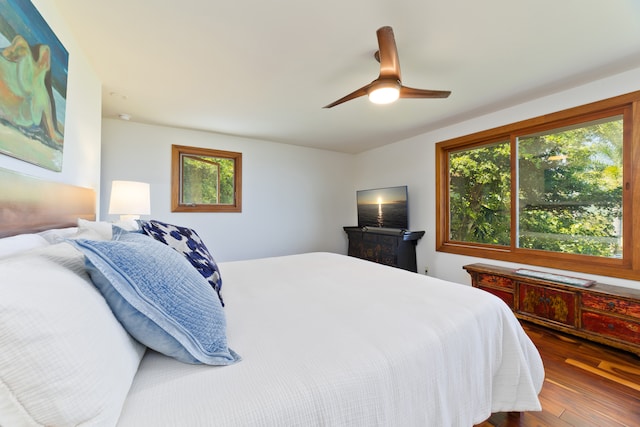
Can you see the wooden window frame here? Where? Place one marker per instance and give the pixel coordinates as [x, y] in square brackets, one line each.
[628, 267]
[177, 151]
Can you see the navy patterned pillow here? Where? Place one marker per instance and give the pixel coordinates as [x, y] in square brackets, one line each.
[187, 242]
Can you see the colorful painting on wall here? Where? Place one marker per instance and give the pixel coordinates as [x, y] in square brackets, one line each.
[33, 86]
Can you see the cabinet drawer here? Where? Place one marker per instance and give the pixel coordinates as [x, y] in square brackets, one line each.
[611, 304]
[495, 281]
[505, 296]
[626, 330]
[547, 303]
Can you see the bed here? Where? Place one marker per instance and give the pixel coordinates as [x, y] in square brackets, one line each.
[315, 339]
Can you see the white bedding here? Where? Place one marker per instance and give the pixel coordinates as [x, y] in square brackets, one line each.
[336, 341]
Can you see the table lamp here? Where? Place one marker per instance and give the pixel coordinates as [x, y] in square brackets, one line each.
[130, 199]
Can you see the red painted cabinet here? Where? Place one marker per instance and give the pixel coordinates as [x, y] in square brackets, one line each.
[603, 313]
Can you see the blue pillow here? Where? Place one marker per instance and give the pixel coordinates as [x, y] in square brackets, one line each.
[188, 243]
[160, 299]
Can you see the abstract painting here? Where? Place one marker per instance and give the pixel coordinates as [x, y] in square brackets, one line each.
[33, 86]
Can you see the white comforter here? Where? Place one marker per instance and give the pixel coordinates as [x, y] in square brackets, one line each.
[330, 340]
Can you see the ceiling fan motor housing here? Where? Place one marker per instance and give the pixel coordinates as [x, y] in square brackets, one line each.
[388, 86]
[384, 90]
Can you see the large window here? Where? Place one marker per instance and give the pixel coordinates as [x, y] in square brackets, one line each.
[555, 191]
[205, 180]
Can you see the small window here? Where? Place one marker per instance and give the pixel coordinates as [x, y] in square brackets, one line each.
[205, 180]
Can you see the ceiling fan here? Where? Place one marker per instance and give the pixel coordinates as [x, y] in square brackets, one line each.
[388, 86]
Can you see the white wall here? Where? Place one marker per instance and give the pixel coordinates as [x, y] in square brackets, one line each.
[294, 199]
[412, 162]
[81, 154]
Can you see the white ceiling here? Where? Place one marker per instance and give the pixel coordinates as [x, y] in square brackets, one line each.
[265, 68]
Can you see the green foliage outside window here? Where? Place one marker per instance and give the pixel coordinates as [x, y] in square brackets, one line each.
[569, 191]
[480, 194]
[207, 180]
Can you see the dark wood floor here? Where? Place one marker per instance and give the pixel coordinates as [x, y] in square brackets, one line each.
[586, 385]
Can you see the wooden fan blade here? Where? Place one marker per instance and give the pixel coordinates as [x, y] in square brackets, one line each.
[355, 94]
[388, 54]
[409, 92]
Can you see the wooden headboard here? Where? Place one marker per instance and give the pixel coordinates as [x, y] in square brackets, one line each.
[30, 205]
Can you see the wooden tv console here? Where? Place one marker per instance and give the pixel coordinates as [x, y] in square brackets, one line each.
[603, 313]
[396, 248]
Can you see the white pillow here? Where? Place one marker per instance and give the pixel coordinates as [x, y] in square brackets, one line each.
[94, 230]
[101, 230]
[57, 235]
[20, 243]
[65, 359]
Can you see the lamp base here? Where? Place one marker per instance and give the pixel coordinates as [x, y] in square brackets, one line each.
[129, 217]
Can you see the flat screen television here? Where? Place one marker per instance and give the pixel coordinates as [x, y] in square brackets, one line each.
[383, 207]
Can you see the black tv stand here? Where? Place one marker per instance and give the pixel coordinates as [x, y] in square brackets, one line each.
[389, 246]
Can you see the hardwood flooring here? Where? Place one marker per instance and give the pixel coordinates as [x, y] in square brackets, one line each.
[586, 384]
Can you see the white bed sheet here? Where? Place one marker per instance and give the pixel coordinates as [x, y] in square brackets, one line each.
[330, 340]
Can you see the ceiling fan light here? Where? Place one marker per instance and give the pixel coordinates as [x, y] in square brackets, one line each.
[384, 93]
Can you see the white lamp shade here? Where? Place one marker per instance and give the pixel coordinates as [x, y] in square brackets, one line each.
[130, 198]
